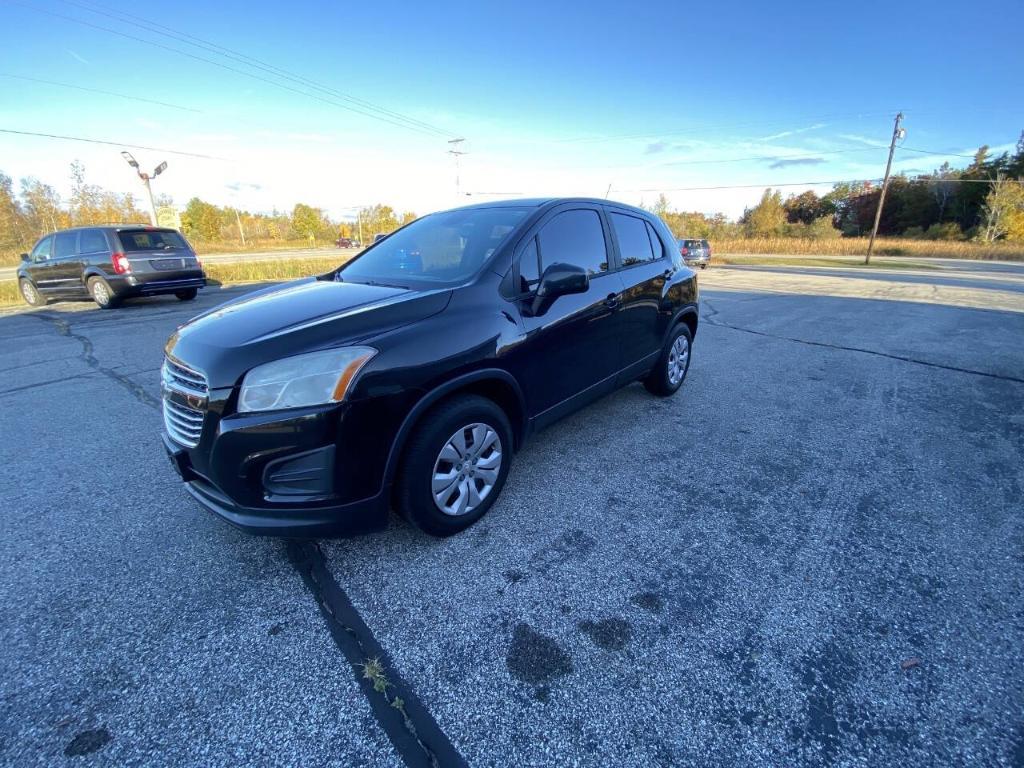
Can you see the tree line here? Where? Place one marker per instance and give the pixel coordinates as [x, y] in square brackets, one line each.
[37, 208]
[983, 201]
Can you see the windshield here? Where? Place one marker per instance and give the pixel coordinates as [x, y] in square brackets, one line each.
[441, 248]
[150, 240]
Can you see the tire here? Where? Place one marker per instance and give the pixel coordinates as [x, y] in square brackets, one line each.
[31, 294]
[187, 294]
[704, 265]
[667, 377]
[101, 293]
[432, 452]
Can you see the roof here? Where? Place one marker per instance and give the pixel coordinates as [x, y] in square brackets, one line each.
[538, 202]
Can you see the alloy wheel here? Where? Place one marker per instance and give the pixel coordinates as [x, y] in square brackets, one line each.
[466, 470]
[29, 292]
[100, 293]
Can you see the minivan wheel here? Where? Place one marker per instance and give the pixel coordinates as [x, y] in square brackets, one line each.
[669, 373]
[454, 465]
[101, 293]
[186, 295]
[31, 294]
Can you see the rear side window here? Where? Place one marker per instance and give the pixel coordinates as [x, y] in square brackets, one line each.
[92, 241]
[150, 240]
[634, 242]
[656, 245]
[43, 249]
[574, 237]
[64, 244]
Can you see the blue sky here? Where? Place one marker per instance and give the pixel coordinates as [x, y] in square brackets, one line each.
[552, 98]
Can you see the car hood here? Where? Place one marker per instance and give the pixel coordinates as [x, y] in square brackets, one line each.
[302, 316]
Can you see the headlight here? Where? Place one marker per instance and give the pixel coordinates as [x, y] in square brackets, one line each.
[311, 379]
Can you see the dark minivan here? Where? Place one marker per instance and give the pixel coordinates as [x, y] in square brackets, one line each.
[108, 264]
[409, 376]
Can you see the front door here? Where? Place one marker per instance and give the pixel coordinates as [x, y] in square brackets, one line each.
[40, 267]
[573, 349]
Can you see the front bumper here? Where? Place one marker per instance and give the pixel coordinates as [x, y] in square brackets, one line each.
[303, 519]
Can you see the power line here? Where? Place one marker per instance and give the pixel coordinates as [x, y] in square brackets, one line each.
[931, 152]
[97, 90]
[188, 39]
[227, 67]
[699, 128]
[803, 156]
[206, 45]
[109, 143]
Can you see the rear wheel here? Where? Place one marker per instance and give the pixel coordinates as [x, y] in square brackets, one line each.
[187, 294]
[454, 465]
[670, 371]
[101, 293]
[31, 294]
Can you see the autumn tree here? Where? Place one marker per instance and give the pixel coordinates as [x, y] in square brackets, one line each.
[767, 218]
[1003, 212]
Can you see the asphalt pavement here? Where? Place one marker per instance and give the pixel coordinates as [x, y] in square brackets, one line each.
[812, 555]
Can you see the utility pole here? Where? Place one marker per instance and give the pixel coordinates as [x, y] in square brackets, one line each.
[897, 133]
[359, 219]
[145, 180]
[456, 143]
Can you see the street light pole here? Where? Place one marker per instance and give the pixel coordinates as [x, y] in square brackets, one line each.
[145, 180]
[897, 133]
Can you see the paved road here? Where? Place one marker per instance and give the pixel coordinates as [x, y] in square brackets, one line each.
[813, 554]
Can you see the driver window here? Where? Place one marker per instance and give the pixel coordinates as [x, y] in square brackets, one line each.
[43, 249]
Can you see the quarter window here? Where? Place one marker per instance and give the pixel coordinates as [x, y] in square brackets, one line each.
[529, 268]
[574, 237]
[656, 244]
[634, 244]
[64, 244]
[92, 241]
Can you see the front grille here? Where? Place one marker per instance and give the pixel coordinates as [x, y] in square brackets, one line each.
[183, 424]
[184, 420]
[183, 378]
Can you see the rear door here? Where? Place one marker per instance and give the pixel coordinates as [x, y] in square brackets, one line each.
[66, 266]
[644, 271]
[572, 351]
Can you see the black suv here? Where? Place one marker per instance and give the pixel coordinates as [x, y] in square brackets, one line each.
[411, 374]
[108, 264]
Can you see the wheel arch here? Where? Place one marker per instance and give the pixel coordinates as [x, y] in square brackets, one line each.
[690, 317]
[495, 384]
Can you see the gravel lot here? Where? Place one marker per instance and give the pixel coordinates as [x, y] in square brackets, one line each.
[813, 554]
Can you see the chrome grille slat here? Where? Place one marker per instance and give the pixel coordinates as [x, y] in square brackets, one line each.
[184, 423]
[176, 374]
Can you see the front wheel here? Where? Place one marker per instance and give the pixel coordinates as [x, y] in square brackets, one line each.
[31, 294]
[670, 371]
[101, 293]
[187, 294]
[454, 465]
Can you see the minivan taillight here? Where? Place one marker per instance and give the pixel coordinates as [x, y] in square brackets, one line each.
[121, 264]
[684, 250]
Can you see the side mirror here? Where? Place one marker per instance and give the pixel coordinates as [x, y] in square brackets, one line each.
[24, 257]
[558, 280]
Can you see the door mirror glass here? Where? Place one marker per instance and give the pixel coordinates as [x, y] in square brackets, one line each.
[559, 280]
[24, 257]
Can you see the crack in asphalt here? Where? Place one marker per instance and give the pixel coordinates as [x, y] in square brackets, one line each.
[709, 318]
[63, 327]
[416, 736]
